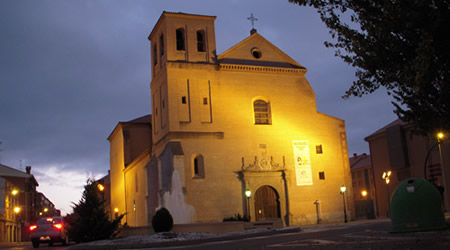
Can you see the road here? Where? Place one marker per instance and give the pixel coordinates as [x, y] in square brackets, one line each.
[373, 235]
[359, 236]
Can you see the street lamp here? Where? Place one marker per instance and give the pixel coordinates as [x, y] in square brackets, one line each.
[364, 193]
[101, 188]
[248, 194]
[17, 210]
[343, 189]
[116, 212]
[440, 137]
[14, 192]
[387, 177]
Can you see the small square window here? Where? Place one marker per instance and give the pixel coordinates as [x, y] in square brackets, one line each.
[322, 175]
[205, 100]
[183, 99]
[319, 149]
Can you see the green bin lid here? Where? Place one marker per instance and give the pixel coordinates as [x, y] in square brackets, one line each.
[416, 205]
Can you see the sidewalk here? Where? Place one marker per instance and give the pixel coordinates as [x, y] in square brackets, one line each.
[15, 244]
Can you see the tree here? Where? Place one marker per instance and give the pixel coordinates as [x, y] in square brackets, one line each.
[402, 45]
[90, 220]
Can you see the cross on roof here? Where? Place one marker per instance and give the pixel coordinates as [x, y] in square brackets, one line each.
[252, 19]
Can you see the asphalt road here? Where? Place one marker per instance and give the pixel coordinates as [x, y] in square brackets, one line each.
[350, 236]
[371, 235]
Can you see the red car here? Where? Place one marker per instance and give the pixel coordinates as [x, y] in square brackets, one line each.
[48, 230]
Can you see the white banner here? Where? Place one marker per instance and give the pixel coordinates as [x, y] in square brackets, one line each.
[302, 163]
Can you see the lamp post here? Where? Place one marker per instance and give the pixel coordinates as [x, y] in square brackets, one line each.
[248, 194]
[387, 177]
[440, 137]
[343, 189]
[101, 188]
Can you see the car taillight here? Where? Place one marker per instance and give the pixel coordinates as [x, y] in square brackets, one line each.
[32, 227]
[58, 226]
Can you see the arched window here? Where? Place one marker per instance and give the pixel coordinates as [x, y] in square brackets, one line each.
[261, 110]
[161, 45]
[198, 167]
[180, 39]
[201, 41]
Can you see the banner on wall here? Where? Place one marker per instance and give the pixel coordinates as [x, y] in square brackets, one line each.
[302, 162]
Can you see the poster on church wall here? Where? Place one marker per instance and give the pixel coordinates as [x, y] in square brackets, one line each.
[302, 162]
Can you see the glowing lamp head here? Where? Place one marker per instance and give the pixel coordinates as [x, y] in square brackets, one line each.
[17, 210]
[440, 135]
[116, 210]
[14, 192]
[45, 210]
[364, 193]
[100, 187]
[248, 193]
[343, 189]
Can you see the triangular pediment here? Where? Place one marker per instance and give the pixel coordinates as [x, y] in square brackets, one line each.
[257, 51]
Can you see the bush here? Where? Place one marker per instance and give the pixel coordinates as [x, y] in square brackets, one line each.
[162, 221]
[237, 217]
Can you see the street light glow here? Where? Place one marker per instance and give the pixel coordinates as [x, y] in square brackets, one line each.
[364, 193]
[17, 210]
[248, 193]
[100, 187]
[387, 176]
[14, 191]
[440, 135]
[116, 210]
[343, 189]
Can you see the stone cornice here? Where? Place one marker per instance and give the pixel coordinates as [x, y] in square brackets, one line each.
[261, 69]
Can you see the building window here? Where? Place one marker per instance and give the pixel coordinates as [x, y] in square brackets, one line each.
[319, 149]
[201, 41]
[262, 112]
[161, 45]
[180, 39]
[198, 168]
[322, 175]
[205, 100]
[183, 99]
[155, 57]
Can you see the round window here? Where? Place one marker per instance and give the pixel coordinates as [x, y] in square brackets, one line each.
[256, 53]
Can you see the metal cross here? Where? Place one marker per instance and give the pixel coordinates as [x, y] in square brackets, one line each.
[252, 19]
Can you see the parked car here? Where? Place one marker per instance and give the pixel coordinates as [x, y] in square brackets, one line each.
[49, 230]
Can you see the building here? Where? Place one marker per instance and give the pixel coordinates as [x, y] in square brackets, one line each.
[363, 186]
[17, 206]
[221, 125]
[396, 149]
[130, 151]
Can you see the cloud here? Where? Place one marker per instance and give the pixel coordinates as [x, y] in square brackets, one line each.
[62, 187]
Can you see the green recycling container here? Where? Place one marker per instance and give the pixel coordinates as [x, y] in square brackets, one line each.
[416, 205]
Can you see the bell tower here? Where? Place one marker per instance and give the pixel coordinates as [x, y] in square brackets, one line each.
[180, 37]
[180, 45]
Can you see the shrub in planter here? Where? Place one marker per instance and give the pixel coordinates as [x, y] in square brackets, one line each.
[162, 221]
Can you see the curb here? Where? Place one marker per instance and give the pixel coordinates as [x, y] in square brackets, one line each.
[185, 242]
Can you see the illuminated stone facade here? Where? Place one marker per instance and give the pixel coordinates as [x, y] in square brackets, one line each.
[242, 120]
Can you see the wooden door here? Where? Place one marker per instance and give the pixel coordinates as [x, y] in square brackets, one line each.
[267, 204]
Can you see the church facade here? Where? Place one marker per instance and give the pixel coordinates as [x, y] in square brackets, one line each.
[235, 133]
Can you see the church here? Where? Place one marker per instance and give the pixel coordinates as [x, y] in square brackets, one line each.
[234, 133]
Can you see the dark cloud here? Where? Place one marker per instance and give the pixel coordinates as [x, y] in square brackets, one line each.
[70, 70]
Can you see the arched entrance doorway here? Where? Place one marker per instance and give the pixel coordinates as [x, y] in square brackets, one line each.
[267, 203]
